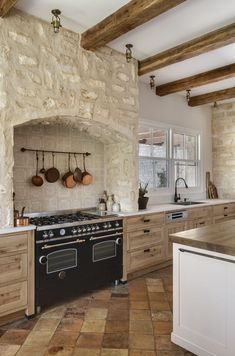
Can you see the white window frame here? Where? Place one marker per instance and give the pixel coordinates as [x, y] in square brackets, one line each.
[181, 130]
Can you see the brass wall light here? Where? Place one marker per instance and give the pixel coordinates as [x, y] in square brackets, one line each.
[56, 20]
[152, 82]
[215, 106]
[129, 47]
[188, 94]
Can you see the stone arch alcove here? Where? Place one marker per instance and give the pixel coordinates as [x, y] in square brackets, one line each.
[48, 77]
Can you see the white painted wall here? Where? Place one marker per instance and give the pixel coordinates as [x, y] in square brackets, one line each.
[172, 110]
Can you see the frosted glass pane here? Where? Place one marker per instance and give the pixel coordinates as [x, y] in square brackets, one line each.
[178, 146]
[190, 147]
[188, 171]
[153, 172]
[159, 143]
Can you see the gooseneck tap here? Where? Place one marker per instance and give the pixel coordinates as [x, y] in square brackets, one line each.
[176, 197]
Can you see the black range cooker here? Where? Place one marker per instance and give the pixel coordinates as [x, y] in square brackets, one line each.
[75, 253]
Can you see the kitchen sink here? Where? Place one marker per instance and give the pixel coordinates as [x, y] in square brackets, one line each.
[188, 203]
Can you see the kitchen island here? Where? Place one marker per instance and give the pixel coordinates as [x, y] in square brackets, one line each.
[204, 289]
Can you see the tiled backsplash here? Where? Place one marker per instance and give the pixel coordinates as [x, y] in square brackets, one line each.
[54, 196]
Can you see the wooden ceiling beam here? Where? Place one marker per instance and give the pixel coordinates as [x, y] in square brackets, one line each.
[197, 80]
[5, 6]
[208, 42]
[212, 97]
[128, 17]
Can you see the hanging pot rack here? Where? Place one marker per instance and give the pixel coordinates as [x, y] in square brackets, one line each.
[23, 149]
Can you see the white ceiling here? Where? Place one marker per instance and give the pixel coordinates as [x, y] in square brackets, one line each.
[182, 23]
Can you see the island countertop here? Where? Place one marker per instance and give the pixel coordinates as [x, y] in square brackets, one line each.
[219, 237]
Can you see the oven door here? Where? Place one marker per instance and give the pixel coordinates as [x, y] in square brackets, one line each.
[60, 270]
[106, 259]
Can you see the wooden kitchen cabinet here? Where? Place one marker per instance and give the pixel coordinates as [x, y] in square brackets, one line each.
[223, 212]
[17, 273]
[145, 241]
[199, 217]
[172, 228]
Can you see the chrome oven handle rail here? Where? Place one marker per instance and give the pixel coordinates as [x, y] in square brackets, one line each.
[46, 247]
[104, 236]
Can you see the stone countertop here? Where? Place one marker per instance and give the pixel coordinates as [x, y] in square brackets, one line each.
[219, 237]
[12, 230]
[172, 207]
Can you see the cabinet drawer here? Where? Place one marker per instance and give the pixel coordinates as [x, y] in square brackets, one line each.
[13, 268]
[193, 224]
[13, 297]
[196, 213]
[13, 244]
[146, 257]
[144, 237]
[141, 221]
[219, 219]
[224, 210]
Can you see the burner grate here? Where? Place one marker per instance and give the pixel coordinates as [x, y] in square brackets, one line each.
[61, 219]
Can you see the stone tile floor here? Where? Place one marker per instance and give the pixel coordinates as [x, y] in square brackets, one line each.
[128, 320]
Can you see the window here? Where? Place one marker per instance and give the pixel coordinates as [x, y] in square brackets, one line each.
[153, 157]
[165, 155]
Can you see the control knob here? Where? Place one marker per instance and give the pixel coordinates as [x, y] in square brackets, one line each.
[105, 226]
[88, 228]
[74, 231]
[45, 235]
[43, 260]
[117, 224]
[118, 241]
[109, 225]
[93, 228]
[97, 227]
[79, 230]
[51, 234]
[84, 229]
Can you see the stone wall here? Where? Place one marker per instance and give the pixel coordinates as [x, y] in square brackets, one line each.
[45, 75]
[223, 149]
[54, 196]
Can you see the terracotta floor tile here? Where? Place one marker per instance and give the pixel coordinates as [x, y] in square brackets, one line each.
[54, 312]
[140, 314]
[70, 324]
[102, 295]
[38, 338]
[59, 351]
[142, 353]
[96, 314]
[31, 351]
[119, 303]
[159, 306]
[64, 338]
[139, 305]
[86, 352]
[162, 327]
[163, 343]
[90, 340]
[156, 288]
[115, 341]
[157, 297]
[118, 314]
[117, 326]
[141, 326]
[9, 350]
[24, 324]
[46, 324]
[94, 303]
[141, 341]
[162, 316]
[173, 353]
[154, 281]
[114, 352]
[96, 326]
[14, 337]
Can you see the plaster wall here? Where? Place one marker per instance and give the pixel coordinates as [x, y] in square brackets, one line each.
[45, 75]
[173, 110]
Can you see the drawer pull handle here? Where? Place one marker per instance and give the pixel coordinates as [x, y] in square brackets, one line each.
[225, 207]
[147, 250]
[146, 231]
[225, 214]
[146, 220]
[201, 223]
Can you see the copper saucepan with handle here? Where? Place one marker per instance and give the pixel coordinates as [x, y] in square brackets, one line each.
[86, 177]
[52, 174]
[37, 180]
[67, 178]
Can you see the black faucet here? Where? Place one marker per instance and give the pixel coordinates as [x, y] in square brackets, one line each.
[176, 197]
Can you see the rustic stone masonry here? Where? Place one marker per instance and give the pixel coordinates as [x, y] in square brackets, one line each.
[47, 76]
[223, 147]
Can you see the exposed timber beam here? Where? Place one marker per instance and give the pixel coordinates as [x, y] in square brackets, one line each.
[5, 6]
[212, 40]
[212, 97]
[128, 17]
[197, 80]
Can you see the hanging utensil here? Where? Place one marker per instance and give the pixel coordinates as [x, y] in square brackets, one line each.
[67, 178]
[42, 170]
[37, 180]
[52, 174]
[77, 175]
[86, 177]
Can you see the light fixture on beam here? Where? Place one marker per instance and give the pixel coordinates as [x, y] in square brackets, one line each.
[188, 94]
[215, 106]
[56, 20]
[129, 47]
[152, 82]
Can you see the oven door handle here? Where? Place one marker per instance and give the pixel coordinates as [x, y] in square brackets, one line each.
[46, 247]
[104, 236]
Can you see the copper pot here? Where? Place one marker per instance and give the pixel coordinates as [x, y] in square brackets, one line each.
[86, 177]
[37, 180]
